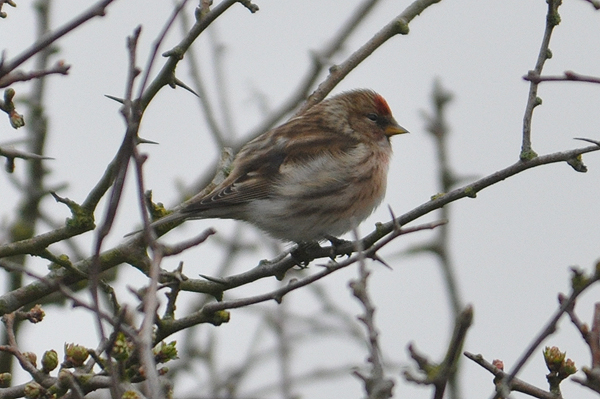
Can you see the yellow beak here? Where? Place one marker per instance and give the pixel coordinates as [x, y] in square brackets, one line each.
[394, 128]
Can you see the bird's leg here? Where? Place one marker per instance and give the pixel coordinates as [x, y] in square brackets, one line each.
[301, 255]
[338, 244]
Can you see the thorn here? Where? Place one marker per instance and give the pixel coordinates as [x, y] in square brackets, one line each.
[380, 260]
[588, 140]
[181, 84]
[117, 99]
[141, 140]
[396, 224]
[59, 199]
[217, 280]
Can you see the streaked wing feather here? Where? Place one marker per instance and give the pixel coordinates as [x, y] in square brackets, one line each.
[259, 165]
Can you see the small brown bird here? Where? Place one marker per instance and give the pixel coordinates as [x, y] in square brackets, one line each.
[317, 176]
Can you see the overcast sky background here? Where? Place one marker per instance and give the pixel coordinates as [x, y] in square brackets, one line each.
[512, 246]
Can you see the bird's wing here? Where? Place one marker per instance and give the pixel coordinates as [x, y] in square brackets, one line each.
[295, 154]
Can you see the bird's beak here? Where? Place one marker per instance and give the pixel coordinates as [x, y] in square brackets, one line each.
[393, 129]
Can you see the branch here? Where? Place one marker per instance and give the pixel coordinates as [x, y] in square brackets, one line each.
[210, 312]
[10, 154]
[580, 283]
[594, 3]
[552, 20]
[377, 385]
[167, 73]
[568, 76]
[439, 375]
[60, 68]
[97, 10]
[516, 384]
[398, 25]
[132, 251]
[2, 3]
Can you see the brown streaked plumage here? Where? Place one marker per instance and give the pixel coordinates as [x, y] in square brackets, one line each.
[318, 175]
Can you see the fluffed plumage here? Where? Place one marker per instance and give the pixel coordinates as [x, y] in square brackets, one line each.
[318, 175]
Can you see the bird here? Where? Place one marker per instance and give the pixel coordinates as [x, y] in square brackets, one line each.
[313, 178]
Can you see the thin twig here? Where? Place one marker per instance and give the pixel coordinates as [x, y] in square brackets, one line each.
[516, 384]
[97, 10]
[568, 76]
[377, 385]
[132, 252]
[594, 3]
[60, 68]
[552, 20]
[547, 330]
[398, 25]
[205, 314]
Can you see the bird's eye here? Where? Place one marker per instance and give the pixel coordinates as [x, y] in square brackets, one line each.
[373, 117]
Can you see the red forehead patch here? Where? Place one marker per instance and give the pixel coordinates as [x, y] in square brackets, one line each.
[382, 106]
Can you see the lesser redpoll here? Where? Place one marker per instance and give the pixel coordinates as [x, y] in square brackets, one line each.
[316, 176]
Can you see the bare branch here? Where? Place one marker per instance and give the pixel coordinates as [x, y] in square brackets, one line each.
[60, 68]
[568, 76]
[516, 384]
[377, 385]
[398, 25]
[97, 10]
[2, 3]
[594, 3]
[552, 20]
[566, 303]
[13, 153]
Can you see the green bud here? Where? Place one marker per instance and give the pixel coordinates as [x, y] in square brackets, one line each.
[33, 390]
[578, 279]
[122, 348]
[75, 355]
[220, 317]
[164, 352]
[9, 94]
[528, 155]
[470, 192]
[16, 119]
[568, 368]
[436, 196]
[5, 380]
[554, 358]
[49, 361]
[36, 314]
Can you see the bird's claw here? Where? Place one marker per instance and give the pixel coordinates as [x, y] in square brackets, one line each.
[301, 255]
[337, 245]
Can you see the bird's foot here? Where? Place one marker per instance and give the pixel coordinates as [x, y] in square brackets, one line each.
[337, 245]
[301, 255]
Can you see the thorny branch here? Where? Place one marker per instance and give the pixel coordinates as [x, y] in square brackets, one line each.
[131, 251]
